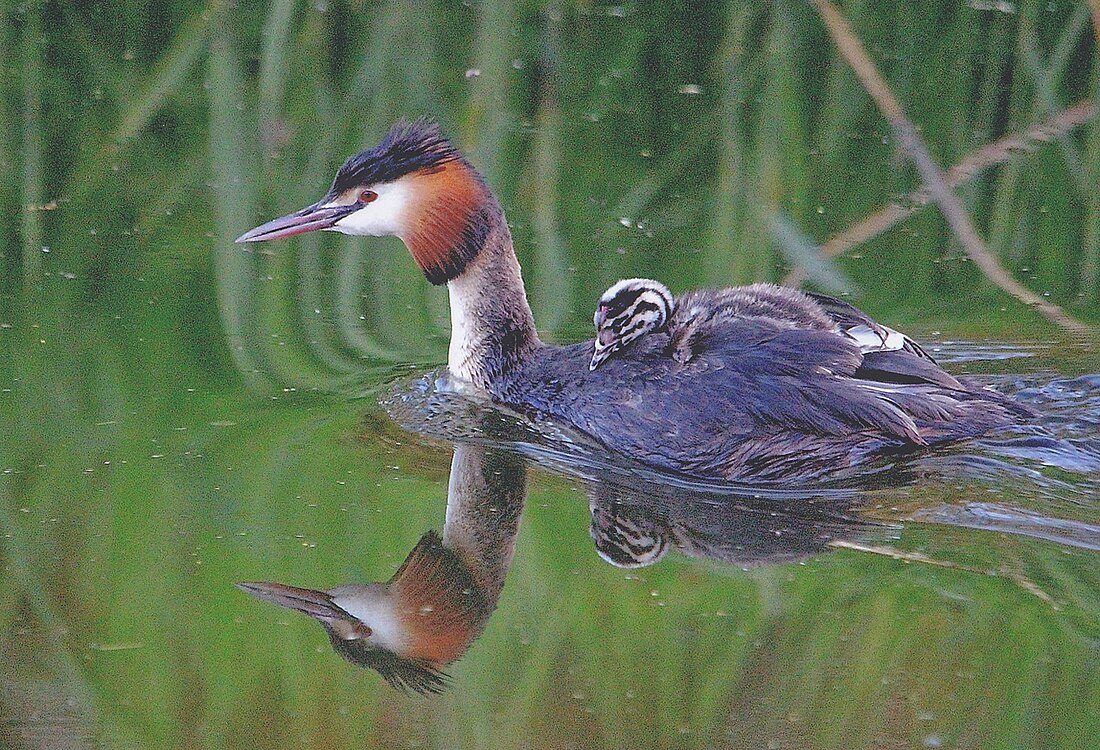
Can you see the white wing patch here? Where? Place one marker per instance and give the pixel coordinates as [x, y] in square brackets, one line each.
[870, 340]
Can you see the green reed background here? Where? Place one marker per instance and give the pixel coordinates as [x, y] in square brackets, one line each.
[159, 438]
[160, 133]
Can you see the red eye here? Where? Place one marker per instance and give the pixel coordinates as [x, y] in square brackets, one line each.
[368, 196]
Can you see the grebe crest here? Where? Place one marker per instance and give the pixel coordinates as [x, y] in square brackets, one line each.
[630, 309]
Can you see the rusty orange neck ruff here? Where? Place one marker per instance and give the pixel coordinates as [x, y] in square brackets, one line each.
[438, 602]
[450, 214]
[456, 231]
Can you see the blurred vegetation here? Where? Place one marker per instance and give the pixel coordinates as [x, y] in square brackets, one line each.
[159, 438]
[624, 140]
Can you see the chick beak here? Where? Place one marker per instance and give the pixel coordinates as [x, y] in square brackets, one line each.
[309, 219]
[602, 352]
[316, 604]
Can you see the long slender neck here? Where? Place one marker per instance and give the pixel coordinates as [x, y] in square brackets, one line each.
[485, 500]
[492, 329]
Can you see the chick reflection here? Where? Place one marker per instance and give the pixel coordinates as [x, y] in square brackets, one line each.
[633, 527]
[441, 597]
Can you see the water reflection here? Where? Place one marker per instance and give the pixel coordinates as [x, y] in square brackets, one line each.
[633, 530]
[438, 602]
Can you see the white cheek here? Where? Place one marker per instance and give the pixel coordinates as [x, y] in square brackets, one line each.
[378, 614]
[380, 218]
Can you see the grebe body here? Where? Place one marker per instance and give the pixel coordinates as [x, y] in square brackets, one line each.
[761, 400]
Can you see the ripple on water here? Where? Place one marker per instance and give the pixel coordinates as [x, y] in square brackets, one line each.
[1044, 476]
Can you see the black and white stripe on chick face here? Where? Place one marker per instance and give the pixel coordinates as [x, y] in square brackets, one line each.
[627, 311]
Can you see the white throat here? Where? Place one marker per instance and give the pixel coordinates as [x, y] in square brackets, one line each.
[465, 347]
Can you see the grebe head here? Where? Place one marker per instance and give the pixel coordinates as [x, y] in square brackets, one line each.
[413, 185]
[408, 629]
[627, 311]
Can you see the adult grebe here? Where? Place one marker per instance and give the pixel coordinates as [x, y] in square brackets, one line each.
[761, 401]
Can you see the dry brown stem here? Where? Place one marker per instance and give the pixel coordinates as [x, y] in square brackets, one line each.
[934, 179]
[918, 557]
[967, 169]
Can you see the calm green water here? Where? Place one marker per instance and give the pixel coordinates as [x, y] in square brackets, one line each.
[178, 413]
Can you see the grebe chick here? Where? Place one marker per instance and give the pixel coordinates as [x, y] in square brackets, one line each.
[632, 308]
[762, 400]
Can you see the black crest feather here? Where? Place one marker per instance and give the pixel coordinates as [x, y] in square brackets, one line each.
[407, 148]
[403, 673]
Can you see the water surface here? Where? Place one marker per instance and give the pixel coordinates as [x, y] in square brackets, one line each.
[178, 413]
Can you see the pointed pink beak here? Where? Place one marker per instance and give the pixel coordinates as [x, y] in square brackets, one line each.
[309, 219]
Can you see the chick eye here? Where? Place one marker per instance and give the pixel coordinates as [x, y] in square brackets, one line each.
[368, 196]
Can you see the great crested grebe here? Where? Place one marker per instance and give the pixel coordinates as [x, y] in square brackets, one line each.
[762, 400]
[632, 308]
